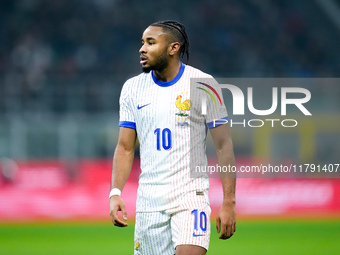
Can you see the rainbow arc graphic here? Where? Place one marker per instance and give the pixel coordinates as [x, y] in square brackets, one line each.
[209, 93]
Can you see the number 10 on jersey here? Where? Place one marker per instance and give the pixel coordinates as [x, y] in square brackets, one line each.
[164, 138]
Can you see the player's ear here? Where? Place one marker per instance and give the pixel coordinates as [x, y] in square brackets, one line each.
[174, 48]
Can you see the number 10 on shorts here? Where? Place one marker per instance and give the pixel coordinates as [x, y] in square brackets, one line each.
[202, 221]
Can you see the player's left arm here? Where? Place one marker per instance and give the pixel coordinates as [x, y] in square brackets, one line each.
[226, 219]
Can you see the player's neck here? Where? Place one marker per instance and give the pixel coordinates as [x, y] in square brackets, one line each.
[169, 73]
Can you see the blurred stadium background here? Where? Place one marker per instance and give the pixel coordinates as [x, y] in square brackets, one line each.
[62, 66]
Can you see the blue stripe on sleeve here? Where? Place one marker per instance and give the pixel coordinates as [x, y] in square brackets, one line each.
[216, 123]
[127, 124]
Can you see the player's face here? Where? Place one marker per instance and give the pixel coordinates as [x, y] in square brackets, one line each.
[153, 52]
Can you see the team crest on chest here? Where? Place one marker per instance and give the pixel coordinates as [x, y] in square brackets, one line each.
[183, 104]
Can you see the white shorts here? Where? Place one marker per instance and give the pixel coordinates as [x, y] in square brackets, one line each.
[160, 232]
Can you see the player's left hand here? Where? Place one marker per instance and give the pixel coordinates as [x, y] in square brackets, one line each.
[226, 221]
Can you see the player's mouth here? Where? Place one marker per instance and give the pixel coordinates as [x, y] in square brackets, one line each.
[143, 59]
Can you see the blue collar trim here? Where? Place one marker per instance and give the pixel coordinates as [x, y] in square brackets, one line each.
[172, 82]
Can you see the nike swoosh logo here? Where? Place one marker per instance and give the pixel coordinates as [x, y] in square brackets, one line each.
[140, 107]
[195, 235]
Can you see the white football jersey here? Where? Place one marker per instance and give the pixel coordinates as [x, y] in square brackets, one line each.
[171, 131]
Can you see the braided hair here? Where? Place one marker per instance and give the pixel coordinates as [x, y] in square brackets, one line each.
[177, 31]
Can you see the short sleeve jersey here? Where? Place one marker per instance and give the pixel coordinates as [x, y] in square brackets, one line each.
[172, 131]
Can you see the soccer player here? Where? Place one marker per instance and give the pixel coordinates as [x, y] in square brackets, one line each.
[172, 212]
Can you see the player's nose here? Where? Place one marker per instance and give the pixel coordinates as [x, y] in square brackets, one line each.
[142, 49]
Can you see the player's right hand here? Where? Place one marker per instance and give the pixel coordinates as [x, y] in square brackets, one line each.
[117, 204]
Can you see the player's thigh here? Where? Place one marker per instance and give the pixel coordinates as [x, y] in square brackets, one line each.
[191, 227]
[190, 249]
[153, 234]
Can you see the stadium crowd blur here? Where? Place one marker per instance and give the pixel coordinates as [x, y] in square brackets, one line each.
[83, 50]
[72, 57]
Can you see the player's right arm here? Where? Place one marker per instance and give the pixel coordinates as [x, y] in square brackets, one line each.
[121, 168]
